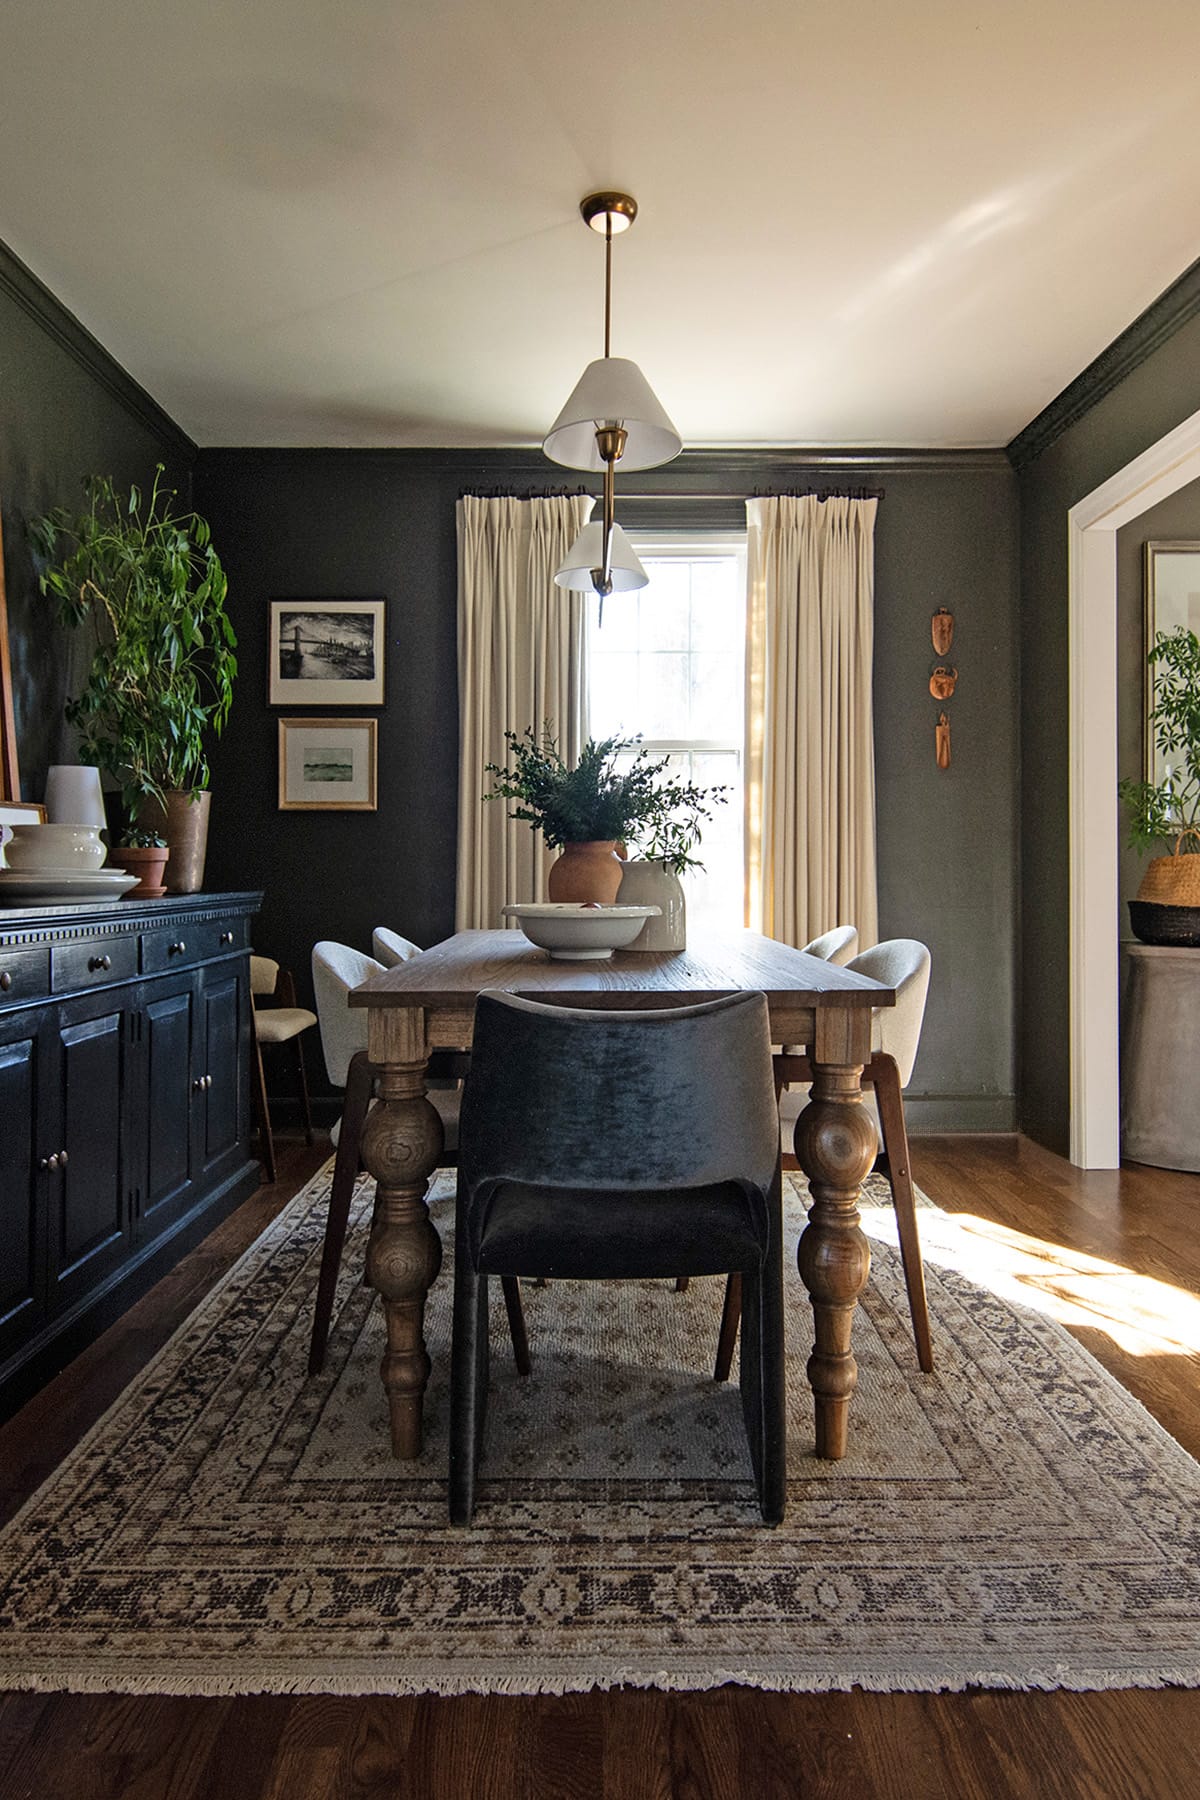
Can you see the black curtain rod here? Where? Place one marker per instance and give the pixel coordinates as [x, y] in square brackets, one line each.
[538, 493]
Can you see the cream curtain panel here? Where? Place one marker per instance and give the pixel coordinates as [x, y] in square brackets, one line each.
[522, 660]
[810, 759]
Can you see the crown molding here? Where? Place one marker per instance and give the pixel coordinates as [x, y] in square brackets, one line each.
[755, 464]
[34, 298]
[1151, 329]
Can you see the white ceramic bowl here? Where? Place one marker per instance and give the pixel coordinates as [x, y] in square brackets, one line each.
[580, 933]
[34, 849]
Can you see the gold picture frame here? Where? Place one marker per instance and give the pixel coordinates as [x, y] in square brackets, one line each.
[1172, 599]
[328, 765]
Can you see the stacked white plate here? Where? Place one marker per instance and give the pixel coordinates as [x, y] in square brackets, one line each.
[59, 887]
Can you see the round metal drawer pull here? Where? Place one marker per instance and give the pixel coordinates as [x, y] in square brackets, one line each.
[49, 1162]
[227, 937]
[62, 1159]
[198, 1085]
[99, 962]
[176, 949]
[5, 980]
[207, 1082]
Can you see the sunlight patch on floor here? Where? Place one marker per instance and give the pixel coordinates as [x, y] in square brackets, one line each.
[1144, 1316]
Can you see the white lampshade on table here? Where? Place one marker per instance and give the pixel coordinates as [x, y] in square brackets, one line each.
[74, 796]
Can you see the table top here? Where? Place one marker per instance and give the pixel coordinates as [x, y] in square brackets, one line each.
[452, 973]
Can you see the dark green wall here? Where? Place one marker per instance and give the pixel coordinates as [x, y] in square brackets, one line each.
[350, 523]
[1154, 396]
[66, 410]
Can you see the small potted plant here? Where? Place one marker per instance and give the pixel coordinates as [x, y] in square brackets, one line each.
[1167, 812]
[152, 585]
[599, 807]
[144, 854]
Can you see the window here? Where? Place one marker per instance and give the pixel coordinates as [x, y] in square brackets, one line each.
[668, 664]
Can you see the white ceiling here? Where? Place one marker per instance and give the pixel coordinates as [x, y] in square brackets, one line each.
[296, 222]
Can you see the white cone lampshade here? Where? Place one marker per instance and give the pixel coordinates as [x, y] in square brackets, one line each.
[585, 554]
[73, 795]
[612, 390]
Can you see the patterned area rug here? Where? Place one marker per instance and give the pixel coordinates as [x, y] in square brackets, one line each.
[232, 1526]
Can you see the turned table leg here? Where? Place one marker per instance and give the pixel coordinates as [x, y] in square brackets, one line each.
[402, 1142]
[835, 1146]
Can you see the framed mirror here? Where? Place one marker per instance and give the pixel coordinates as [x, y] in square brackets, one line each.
[1172, 600]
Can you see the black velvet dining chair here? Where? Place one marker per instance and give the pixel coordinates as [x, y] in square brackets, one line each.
[598, 1145]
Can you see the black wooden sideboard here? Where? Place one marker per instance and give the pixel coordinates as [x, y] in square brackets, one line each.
[125, 1044]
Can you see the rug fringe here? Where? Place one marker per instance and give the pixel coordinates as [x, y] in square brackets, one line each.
[547, 1681]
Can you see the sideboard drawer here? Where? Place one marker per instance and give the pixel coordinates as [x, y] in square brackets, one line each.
[93, 964]
[185, 944]
[24, 975]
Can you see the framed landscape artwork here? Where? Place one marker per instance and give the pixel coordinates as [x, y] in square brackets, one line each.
[327, 765]
[1172, 600]
[326, 653]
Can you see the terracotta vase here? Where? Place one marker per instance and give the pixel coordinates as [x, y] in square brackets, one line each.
[184, 824]
[147, 864]
[586, 872]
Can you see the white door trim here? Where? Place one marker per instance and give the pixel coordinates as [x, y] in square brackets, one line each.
[1092, 526]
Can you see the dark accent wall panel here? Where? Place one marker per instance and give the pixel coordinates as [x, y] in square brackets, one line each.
[345, 523]
[66, 410]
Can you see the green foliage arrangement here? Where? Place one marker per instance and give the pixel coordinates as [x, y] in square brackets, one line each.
[597, 800]
[1168, 811]
[152, 584]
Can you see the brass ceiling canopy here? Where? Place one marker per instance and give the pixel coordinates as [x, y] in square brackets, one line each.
[609, 211]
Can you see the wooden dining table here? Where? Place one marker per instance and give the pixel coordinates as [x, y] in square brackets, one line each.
[429, 1003]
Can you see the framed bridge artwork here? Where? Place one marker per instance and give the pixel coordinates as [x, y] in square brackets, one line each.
[326, 653]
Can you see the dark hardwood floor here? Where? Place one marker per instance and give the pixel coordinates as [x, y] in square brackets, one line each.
[1123, 1252]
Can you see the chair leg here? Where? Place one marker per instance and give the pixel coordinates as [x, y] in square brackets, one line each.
[890, 1103]
[681, 1284]
[359, 1083]
[305, 1108]
[730, 1315]
[262, 1112]
[511, 1289]
[468, 1385]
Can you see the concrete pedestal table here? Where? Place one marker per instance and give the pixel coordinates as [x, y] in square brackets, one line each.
[1160, 1056]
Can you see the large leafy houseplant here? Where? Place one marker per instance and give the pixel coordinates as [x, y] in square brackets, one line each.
[1167, 812]
[603, 799]
[161, 678]
[1166, 909]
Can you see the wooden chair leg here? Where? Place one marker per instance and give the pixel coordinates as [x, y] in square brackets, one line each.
[262, 1112]
[681, 1284]
[511, 1289]
[730, 1318]
[890, 1102]
[359, 1084]
[305, 1108]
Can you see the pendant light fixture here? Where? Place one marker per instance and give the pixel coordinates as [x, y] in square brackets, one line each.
[612, 416]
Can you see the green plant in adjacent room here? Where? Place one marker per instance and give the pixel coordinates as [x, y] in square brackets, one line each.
[599, 798]
[161, 679]
[1168, 811]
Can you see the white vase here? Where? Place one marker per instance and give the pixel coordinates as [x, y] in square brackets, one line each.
[651, 884]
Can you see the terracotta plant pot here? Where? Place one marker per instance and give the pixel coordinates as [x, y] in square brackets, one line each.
[586, 872]
[184, 824]
[147, 864]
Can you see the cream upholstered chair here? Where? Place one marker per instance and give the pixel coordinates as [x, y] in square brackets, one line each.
[902, 964]
[389, 948]
[336, 969]
[836, 946]
[281, 1023]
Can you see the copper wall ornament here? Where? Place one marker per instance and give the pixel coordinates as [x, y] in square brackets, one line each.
[941, 737]
[942, 628]
[942, 682]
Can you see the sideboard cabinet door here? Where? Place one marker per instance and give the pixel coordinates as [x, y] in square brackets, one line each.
[22, 1256]
[89, 1212]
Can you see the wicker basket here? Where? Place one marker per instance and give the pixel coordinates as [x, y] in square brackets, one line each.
[1178, 925]
[1173, 880]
